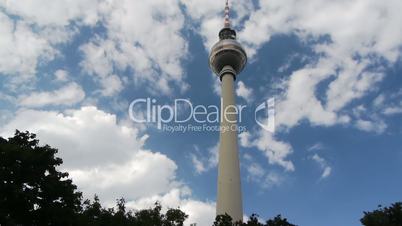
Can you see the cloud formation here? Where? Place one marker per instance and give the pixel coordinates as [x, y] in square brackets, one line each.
[21, 49]
[276, 151]
[68, 95]
[144, 37]
[108, 158]
[204, 163]
[244, 92]
[326, 169]
[348, 56]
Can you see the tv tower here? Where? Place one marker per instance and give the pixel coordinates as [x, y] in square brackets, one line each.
[227, 59]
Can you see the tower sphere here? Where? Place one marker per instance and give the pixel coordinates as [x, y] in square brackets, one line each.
[227, 52]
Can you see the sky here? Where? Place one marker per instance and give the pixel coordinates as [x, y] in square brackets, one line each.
[69, 70]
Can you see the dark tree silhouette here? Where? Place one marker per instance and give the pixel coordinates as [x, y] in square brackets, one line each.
[279, 221]
[34, 193]
[154, 217]
[149, 216]
[223, 220]
[175, 217]
[226, 220]
[32, 190]
[93, 213]
[253, 221]
[387, 216]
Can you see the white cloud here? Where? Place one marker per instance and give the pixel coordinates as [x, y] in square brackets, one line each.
[7, 98]
[388, 104]
[216, 83]
[202, 213]
[69, 94]
[143, 174]
[379, 100]
[352, 84]
[395, 107]
[380, 35]
[102, 156]
[316, 147]
[323, 165]
[202, 9]
[61, 75]
[21, 49]
[96, 61]
[327, 172]
[144, 37]
[111, 85]
[276, 151]
[300, 101]
[255, 171]
[108, 158]
[377, 125]
[244, 92]
[258, 175]
[245, 139]
[213, 155]
[87, 137]
[359, 111]
[272, 179]
[198, 164]
[5, 115]
[56, 13]
[141, 37]
[209, 15]
[203, 164]
[393, 110]
[349, 77]
[31, 38]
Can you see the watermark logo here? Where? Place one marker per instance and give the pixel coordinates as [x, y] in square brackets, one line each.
[267, 123]
[183, 116]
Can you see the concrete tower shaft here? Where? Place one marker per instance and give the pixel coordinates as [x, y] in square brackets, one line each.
[229, 198]
[227, 59]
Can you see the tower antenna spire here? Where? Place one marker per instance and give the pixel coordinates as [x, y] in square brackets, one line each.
[227, 19]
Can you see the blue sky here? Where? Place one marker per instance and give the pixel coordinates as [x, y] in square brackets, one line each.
[69, 70]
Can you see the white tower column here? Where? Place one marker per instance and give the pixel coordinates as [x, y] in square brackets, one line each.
[229, 198]
[227, 59]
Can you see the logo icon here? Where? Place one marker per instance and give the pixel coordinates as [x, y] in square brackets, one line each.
[268, 122]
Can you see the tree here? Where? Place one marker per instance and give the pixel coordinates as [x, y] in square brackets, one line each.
[226, 220]
[387, 216]
[279, 221]
[223, 220]
[151, 216]
[253, 221]
[32, 190]
[94, 214]
[175, 217]
[154, 217]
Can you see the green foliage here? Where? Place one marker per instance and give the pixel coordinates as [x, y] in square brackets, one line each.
[223, 220]
[32, 190]
[175, 217]
[387, 216]
[34, 193]
[279, 221]
[226, 220]
[253, 221]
